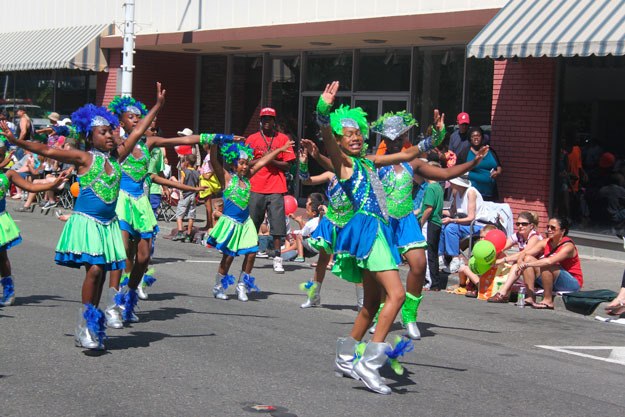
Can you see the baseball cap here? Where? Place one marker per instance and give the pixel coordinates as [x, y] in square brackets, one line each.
[463, 118]
[268, 111]
[185, 132]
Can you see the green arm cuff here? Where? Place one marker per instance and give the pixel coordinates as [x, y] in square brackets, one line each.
[323, 108]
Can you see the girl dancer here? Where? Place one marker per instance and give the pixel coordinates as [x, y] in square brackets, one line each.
[367, 238]
[338, 214]
[92, 237]
[397, 180]
[234, 233]
[135, 214]
[9, 232]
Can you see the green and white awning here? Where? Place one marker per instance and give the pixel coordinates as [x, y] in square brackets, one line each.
[552, 28]
[76, 47]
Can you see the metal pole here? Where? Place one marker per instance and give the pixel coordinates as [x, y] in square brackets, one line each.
[129, 46]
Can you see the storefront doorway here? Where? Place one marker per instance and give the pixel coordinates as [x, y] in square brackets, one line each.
[375, 106]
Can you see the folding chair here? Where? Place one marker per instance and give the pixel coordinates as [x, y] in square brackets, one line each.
[166, 210]
[496, 214]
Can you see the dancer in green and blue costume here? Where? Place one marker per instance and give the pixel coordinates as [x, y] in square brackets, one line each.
[234, 233]
[339, 213]
[397, 181]
[92, 237]
[136, 216]
[9, 232]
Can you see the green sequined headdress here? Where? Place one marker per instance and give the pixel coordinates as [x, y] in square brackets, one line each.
[346, 116]
[120, 105]
[393, 125]
[232, 152]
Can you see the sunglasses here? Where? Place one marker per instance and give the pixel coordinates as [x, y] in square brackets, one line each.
[552, 228]
[522, 224]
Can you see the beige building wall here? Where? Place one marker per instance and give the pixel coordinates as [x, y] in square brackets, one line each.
[162, 16]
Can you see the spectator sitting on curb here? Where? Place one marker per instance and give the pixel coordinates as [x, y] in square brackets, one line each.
[466, 277]
[314, 205]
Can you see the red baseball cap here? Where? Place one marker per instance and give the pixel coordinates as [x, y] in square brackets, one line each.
[463, 118]
[268, 111]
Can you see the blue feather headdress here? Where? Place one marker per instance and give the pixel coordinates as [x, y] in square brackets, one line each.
[120, 105]
[90, 116]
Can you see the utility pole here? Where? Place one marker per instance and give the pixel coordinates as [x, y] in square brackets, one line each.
[129, 48]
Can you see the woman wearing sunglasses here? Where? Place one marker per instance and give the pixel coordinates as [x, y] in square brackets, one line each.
[525, 238]
[553, 264]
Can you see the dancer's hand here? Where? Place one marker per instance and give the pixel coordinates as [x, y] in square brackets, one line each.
[238, 138]
[61, 179]
[6, 131]
[481, 153]
[286, 146]
[160, 94]
[303, 155]
[329, 93]
[439, 120]
[311, 147]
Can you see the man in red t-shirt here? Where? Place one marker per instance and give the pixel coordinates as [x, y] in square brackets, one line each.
[269, 184]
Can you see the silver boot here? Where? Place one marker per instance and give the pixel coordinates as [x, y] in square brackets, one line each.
[345, 352]
[130, 298]
[412, 331]
[218, 290]
[360, 297]
[141, 292]
[241, 288]
[113, 311]
[373, 358]
[83, 337]
[315, 301]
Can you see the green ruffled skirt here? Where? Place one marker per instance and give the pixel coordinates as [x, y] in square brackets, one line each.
[9, 232]
[85, 240]
[136, 216]
[233, 238]
[380, 258]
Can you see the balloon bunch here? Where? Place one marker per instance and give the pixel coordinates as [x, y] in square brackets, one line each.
[485, 251]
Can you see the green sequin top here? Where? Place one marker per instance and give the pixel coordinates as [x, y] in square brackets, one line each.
[137, 168]
[340, 209]
[103, 185]
[398, 189]
[238, 195]
[4, 185]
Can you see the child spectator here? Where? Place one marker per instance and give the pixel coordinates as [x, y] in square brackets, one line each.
[313, 210]
[429, 217]
[186, 205]
[469, 280]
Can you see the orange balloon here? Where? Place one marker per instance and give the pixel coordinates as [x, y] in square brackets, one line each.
[75, 189]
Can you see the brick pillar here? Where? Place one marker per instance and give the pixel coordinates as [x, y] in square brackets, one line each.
[107, 81]
[522, 120]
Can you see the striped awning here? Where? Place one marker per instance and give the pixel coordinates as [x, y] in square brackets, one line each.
[552, 28]
[76, 47]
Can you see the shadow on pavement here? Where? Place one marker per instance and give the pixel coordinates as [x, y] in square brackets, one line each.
[424, 327]
[162, 314]
[32, 300]
[157, 261]
[338, 307]
[137, 340]
[449, 368]
[238, 315]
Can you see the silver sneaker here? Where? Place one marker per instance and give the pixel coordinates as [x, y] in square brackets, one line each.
[141, 292]
[83, 336]
[412, 331]
[219, 291]
[277, 265]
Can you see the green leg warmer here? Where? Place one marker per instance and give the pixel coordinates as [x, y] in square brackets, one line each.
[375, 319]
[410, 307]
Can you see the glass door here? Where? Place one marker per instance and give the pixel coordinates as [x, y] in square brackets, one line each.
[375, 107]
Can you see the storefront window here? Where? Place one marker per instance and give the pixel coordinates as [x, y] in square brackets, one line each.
[590, 171]
[440, 74]
[383, 70]
[479, 91]
[323, 68]
[284, 92]
[42, 92]
[246, 94]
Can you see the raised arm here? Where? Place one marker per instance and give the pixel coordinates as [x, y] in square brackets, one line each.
[218, 167]
[313, 150]
[341, 163]
[442, 174]
[69, 156]
[267, 158]
[124, 149]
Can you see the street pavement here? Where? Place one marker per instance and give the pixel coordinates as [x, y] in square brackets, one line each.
[194, 355]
